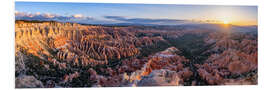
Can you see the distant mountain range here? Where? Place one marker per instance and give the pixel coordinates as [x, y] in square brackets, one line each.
[190, 26]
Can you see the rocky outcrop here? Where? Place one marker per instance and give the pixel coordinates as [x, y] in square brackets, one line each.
[167, 60]
[27, 82]
[20, 67]
[160, 78]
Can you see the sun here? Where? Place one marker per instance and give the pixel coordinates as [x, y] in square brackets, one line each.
[225, 22]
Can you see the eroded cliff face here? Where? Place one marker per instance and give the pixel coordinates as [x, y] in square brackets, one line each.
[54, 54]
[69, 47]
[234, 60]
[78, 44]
[160, 67]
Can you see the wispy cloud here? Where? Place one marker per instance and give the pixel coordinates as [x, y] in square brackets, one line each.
[148, 21]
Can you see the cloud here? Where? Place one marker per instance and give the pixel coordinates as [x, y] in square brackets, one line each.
[47, 15]
[51, 17]
[77, 15]
[37, 13]
[147, 21]
[80, 18]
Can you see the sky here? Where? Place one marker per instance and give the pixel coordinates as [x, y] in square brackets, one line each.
[109, 13]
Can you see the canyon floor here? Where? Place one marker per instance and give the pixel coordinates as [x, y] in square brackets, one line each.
[53, 54]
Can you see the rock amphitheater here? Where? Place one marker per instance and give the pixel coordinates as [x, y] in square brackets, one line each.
[53, 54]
